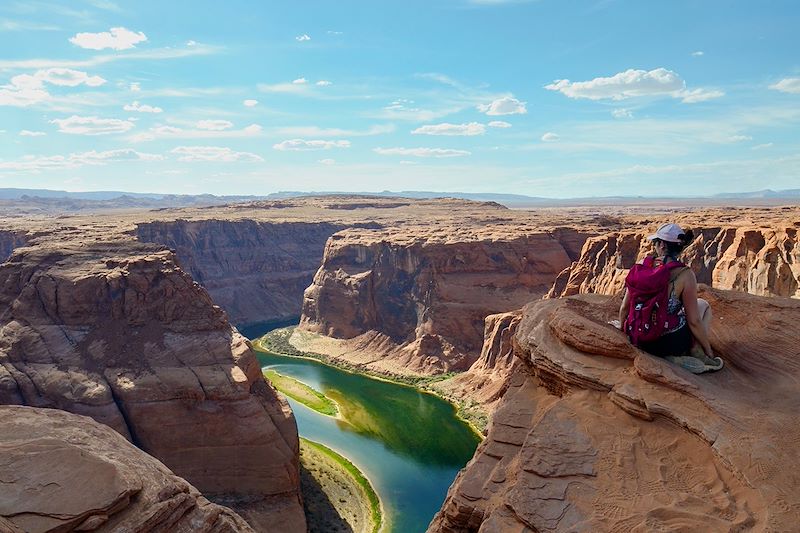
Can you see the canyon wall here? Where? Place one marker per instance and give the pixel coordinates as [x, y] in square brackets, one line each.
[49, 453]
[256, 271]
[760, 260]
[118, 332]
[9, 241]
[423, 300]
[594, 435]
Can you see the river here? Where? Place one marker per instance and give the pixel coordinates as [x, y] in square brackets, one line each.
[408, 443]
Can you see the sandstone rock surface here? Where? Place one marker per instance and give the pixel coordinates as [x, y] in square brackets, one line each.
[62, 472]
[756, 252]
[594, 435]
[118, 332]
[418, 296]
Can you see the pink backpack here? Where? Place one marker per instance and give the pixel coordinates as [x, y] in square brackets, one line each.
[648, 296]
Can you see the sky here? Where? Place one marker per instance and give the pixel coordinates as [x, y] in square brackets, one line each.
[542, 98]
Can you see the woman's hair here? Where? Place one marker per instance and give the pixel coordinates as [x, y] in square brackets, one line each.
[675, 248]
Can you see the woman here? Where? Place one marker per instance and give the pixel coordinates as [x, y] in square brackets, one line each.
[689, 316]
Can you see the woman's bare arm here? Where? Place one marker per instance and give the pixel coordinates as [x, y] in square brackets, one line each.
[693, 318]
[623, 309]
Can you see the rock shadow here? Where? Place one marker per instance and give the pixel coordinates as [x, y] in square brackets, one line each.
[321, 515]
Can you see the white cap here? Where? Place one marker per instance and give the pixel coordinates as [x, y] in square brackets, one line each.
[669, 232]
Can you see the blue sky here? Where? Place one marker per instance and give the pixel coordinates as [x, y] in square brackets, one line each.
[544, 98]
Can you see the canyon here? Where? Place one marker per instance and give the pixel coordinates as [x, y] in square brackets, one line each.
[127, 318]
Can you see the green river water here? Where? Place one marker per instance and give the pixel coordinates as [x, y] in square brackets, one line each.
[408, 443]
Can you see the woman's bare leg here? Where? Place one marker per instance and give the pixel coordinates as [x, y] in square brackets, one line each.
[705, 316]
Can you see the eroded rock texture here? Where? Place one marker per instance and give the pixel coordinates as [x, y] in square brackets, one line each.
[594, 435]
[750, 258]
[61, 472]
[422, 301]
[118, 332]
[256, 271]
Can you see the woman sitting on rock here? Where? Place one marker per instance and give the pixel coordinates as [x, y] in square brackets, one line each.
[660, 310]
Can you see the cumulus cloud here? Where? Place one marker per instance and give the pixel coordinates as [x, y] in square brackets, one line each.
[762, 146]
[623, 85]
[296, 145]
[300, 81]
[316, 131]
[507, 105]
[136, 87]
[29, 89]
[37, 164]
[327, 161]
[787, 85]
[698, 53]
[141, 108]
[250, 103]
[68, 77]
[473, 128]
[302, 38]
[549, 137]
[76, 125]
[213, 153]
[698, 95]
[422, 152]
[324, 83]
[28, 133]
[499, 124]
[173, 132]
[622, 113]
[213, 125]
[115, 38]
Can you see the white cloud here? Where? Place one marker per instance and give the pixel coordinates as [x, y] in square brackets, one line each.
[507, 105]
[37, 164]
[288, 88]
[422, 152]
[68, 77]
[316, 131]
[622, 113]
[92, 125]
[302, 38]
[499, 124]
[250, 103]
[28, 133]
[141, 108]
[739, 138]
[213, 153]
[296, 145]
[327, 161]
[762, 146]
[404, 109]
[787, 85]
[549, 137]
[300, 81]
[115, 38]
[191, 43]
[324, 83]
[172, 132]
[698, 53]
[473, 128]
[627, 84]
[155, 54]
[136, 87]
[332, 32]
[213, 125]
[698, 95]
[28, 89]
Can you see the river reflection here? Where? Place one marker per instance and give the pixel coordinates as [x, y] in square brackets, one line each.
[409, 444]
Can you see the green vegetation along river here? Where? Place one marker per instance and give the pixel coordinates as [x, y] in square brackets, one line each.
[409, 444]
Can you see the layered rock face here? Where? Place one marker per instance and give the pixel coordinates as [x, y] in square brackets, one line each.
[63, 472]
[759, 260]
[594, 435]
[256, 271]
[10, 240]
[118, 332]
[423, 301]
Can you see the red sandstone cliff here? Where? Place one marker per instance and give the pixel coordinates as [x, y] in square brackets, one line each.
[422, 300]
[594, 435]
[118, 332]
[256, 271]
[751, 258]
[63, 472]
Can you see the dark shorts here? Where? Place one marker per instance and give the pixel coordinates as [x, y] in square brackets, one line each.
[676, 343]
